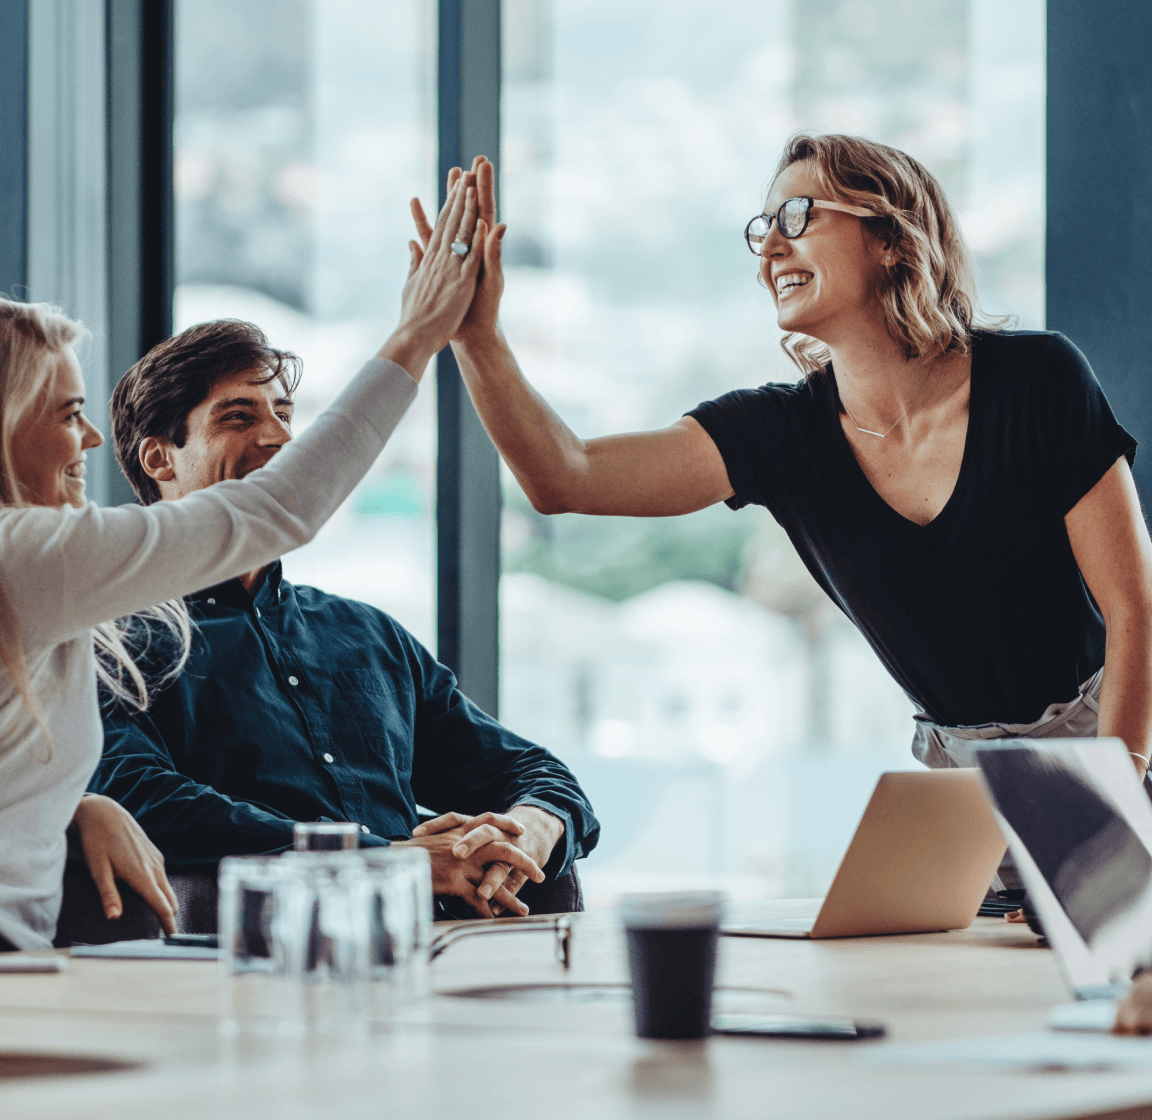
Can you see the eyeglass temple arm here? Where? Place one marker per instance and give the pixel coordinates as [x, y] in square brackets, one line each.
[844, 208]
[560, 924]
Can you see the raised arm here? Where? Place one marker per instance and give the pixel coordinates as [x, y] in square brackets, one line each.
[68, 569]
[644, 474]
[675, 470]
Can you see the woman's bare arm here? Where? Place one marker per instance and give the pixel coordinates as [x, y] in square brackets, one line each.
[675, 470]
[1110, 542]
[647, 474]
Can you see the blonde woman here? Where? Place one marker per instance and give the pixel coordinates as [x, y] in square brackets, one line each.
[963, 495]
[68, 567]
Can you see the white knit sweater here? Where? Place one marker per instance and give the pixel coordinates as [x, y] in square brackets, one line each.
[65, 570]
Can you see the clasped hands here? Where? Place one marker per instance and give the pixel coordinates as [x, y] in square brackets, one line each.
[486, 859]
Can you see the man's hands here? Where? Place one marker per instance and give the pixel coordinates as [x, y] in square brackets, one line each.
[440, 284]
[462, 849]
[531, 830]
[116, 847]
[480, 320]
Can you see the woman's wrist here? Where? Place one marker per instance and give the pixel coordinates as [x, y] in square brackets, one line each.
[87, 801]
[478, 340]
[409, 348]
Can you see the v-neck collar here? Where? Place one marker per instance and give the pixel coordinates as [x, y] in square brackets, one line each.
[852, 464]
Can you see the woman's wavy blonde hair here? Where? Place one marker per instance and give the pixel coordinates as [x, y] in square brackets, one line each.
[34, 340]
[929, 294]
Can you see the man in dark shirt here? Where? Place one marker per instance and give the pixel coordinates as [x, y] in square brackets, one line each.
[296, 705]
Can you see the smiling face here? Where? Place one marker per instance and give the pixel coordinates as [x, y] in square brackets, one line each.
[823, 281]
[236, 429]
[49, 447]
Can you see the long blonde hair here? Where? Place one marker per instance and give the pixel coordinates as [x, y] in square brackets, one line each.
[34, 340]
[929, 294]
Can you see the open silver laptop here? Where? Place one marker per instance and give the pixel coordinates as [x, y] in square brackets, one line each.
[922, 857]
[1080, 829]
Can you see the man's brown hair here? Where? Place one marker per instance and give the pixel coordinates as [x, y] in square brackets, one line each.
[156, 395]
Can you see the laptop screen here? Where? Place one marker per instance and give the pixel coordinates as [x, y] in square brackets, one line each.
[1080, 831]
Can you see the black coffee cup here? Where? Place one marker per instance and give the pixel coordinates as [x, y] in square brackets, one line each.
[672, 958]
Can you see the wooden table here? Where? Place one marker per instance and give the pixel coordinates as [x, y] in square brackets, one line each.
[471, 1057]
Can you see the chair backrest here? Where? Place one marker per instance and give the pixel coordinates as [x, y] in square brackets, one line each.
[82, 920]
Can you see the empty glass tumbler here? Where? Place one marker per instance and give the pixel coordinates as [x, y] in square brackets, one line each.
[258, 916]
[326, 836]
[323, 940]
[400, 907]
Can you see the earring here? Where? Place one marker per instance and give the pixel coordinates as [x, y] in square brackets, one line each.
[888, 260]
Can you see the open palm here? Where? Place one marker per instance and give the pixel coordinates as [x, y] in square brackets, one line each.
[481, 316]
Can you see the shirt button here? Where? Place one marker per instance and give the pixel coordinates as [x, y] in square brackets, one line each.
[293, 681]
[211, 602]
[365, 828]
[329, 758]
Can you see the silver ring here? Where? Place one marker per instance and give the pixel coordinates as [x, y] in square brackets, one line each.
[460, 248]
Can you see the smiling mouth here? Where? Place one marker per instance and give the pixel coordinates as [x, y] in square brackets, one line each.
[790, 281]
[76, 471]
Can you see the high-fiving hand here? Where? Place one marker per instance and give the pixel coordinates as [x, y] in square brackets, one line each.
[480, 319]
[441, 280]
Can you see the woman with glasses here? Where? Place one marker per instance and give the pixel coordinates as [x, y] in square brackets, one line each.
[961, 492]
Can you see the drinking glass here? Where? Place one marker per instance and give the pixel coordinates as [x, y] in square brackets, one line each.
[329, 937]
[257, 916]
[400, 921]
[326, 836]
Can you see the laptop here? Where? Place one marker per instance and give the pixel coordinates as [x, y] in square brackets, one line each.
[1080, 829]
[920, 861]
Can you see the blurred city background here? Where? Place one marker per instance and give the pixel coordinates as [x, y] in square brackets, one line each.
[726, 720]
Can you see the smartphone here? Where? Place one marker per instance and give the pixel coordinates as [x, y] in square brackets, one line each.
[791, 1026]
[193, 940]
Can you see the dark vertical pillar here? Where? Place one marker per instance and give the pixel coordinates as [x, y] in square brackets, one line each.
[13, 146]
[468, 470]
[157, 116]
[1098, 271]
[140, 187]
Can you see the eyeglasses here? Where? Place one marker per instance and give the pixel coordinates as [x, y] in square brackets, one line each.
[792, 219]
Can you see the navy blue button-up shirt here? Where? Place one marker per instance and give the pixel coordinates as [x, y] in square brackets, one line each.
[296, 705]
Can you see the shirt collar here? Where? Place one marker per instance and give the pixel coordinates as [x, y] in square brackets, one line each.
[269, 591]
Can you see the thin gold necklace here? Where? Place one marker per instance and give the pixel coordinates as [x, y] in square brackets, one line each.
[884, 434]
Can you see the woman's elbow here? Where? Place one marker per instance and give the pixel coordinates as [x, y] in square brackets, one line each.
[548, 503]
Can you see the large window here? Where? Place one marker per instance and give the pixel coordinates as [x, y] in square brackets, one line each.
[727, 722]
[725, 719]
[302, 128]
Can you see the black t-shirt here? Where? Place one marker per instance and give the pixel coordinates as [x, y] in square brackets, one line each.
[981, 615]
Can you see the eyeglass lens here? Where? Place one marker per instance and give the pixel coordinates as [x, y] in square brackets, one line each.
[792, 217]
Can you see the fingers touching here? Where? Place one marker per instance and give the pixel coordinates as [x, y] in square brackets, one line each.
[448, 821]
[494, 878]
[482, 178]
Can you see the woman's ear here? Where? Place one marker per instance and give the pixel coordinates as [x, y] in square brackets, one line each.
[156, 459]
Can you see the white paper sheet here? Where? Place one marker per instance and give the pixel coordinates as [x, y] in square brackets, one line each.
[1084, 1015]
[1056, 1052]
[154, 950]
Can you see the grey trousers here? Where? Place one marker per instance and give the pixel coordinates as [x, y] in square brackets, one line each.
[942, 748]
